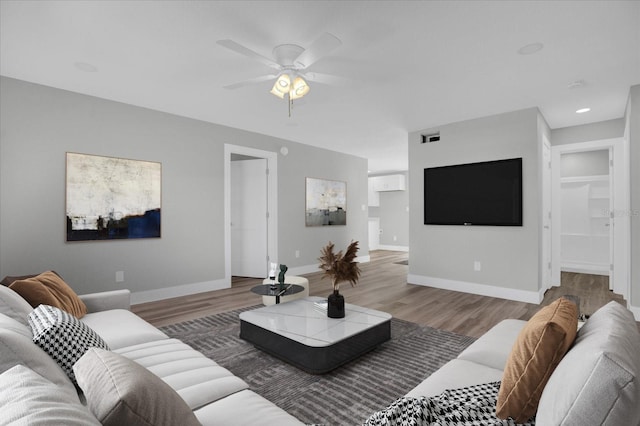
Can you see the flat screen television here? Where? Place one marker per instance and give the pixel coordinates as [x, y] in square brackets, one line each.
[487, 193]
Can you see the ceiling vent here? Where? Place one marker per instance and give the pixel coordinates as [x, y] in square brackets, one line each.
[434, 137]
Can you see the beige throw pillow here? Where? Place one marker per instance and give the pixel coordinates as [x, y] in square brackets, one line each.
[537, 351]
[120, 391]
[49, 289]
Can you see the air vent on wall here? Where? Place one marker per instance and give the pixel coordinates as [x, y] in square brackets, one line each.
[434, 137]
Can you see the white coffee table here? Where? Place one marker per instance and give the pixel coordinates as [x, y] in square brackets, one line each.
[300, 333]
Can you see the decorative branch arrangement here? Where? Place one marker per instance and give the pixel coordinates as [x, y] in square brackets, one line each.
[340, 267]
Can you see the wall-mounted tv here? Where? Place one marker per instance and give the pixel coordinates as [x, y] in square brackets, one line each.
[487, 193]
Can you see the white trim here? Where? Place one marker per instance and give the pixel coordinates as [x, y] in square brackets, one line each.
[272, 203]
[177, 291]
[585, 268]
[310, 269]
[580, 179]
[393, 248]
[526, 296]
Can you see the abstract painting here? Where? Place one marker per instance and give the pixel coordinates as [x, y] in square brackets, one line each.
[112, 198]
[326, 202]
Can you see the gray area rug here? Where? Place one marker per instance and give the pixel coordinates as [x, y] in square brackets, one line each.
[345, 396]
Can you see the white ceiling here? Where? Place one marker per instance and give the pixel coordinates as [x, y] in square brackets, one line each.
[412, 64]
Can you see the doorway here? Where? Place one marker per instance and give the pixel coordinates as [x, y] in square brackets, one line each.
[588, 187]
[249, 211]
[250, 202]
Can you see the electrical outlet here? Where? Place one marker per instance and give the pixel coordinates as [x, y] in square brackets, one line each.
[297, 254]
[477, 266]
[119, 276]
[395, 238]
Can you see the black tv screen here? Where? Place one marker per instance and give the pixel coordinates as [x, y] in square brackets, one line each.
[487, 193]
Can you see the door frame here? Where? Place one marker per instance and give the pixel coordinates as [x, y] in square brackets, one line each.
[546, 275]
[620, 241]
[272, 203]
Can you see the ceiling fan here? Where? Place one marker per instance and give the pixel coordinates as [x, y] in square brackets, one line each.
[290, 63]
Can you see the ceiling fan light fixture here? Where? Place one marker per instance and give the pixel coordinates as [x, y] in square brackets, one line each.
[275, 91]
[282, 85]
[299, 88]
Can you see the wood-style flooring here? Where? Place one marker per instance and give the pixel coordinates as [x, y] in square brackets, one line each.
[383, 286]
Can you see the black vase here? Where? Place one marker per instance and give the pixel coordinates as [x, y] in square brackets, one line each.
[335, 305]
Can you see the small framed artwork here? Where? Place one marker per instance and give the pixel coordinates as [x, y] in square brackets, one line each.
[326, 203]
[111, 198]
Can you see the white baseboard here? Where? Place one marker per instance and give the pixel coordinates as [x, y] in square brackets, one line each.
[585, 268]
[392, 248]
[302, 270]
[177, 291]
[310, 269]
[526, 296]
[195, 288]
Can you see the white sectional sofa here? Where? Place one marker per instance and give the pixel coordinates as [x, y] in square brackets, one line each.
[212, 392]
[597, 382]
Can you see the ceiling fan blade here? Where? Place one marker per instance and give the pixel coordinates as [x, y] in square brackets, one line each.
[251, 81]
[238, 48]
[330, 79]
[319, 48]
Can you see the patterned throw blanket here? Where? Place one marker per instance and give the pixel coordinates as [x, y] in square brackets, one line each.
[471, 406]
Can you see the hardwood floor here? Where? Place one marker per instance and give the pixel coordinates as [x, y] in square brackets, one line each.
[383, 286]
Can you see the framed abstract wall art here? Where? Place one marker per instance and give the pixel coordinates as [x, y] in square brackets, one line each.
[111, 198]
[326, 202]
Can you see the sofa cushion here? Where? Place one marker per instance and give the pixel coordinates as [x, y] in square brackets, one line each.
[598, 380]
[196, 378]
[110, 324]
[493, 348]
[245, 408]
[27, 398]
[64, 337]
[455, 374]
[8, 323]
[537, 351]
[121, 392]
[16, 348]
[13, 305]
[49, 289]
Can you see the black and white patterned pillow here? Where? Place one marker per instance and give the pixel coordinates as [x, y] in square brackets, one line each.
[64, 337]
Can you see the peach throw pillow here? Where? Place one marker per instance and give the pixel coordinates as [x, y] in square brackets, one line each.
[537, 351]
[49, 289]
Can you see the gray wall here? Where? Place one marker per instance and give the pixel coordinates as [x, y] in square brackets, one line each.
[588, 132]
[508, 255]
[38, 124]
[588, 163]
[633, 125]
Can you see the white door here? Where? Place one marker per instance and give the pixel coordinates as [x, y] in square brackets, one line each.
[248, 202]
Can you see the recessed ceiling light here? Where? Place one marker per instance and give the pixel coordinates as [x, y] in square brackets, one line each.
[583, 110]
[530, 49]
[83, 66]
[576, 84]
